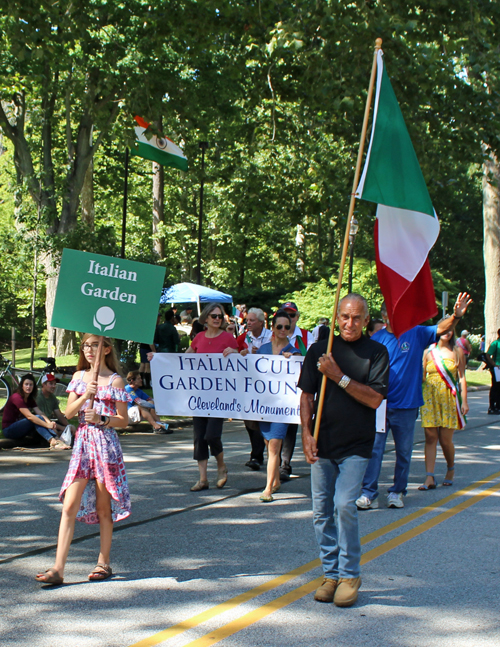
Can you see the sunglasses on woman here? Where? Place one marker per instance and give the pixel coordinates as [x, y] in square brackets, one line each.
[280, 326]
[217, 316]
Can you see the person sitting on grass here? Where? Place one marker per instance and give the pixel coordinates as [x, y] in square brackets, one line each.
[49, 406]
[141, 406]
[21, 415]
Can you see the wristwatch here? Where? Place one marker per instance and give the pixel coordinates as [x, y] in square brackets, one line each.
[344, 382]
[104, 420]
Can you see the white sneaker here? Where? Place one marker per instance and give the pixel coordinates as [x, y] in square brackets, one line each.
[395, 500]
[364, 503]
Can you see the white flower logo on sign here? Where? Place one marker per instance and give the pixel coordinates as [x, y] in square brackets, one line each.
[105, 319]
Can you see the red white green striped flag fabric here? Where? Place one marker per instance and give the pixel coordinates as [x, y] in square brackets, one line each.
[157, 149]
[407, 226]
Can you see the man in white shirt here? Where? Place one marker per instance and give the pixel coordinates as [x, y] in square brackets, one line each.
[298, 337]
[250, 342]
[256, 333]
[315, 331]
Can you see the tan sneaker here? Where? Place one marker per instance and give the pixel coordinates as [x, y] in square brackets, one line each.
[347, 591]
[326, 591]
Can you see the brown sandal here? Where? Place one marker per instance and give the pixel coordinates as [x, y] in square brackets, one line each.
[222, 477]
[100, 572]
[200, 485]
[54, 578]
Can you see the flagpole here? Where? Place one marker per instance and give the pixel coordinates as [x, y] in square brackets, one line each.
[321, 400]
[125, 197]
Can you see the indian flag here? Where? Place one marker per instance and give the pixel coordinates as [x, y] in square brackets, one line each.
[157, 149]
[407, 226]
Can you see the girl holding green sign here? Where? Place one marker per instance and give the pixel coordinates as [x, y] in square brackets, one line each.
[95, 489]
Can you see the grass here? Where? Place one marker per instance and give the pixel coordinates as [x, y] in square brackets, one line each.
[23, 357]
[478, 378]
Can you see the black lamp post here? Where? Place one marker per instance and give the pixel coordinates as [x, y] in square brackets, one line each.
[352, 237]
[203, 146]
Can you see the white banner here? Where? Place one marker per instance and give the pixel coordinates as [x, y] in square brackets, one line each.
[255, 387]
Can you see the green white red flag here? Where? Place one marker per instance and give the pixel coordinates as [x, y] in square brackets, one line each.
[407, 226]
[157, 149]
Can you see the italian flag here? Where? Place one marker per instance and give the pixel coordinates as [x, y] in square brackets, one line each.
[157, 149]
[407, 226]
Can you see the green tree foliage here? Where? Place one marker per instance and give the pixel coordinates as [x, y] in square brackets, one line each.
[277, 89]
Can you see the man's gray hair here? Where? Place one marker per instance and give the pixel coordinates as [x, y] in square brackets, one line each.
[258, 313]
[354, 296]
[383, 310]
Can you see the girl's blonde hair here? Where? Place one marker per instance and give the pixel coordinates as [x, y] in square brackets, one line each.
[110, 359]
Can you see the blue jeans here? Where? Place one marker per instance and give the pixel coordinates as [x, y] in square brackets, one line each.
[402, 424]
[335, 487]
[22, 428]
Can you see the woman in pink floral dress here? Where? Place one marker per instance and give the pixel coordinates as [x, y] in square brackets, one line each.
[95, 489]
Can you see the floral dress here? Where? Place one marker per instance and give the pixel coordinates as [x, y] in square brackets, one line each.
[97, 454]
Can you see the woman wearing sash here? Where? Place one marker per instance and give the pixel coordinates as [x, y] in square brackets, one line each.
[445, 404]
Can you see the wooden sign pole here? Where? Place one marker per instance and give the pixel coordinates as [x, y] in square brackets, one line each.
[97, 364]
[321, 400]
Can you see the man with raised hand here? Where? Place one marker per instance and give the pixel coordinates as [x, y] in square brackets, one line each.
[357, 370]
[403, 401]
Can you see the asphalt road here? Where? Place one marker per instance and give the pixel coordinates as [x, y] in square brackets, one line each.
[219, 567]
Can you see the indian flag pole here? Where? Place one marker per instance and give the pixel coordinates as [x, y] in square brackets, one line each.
[155, 149]
[357, 173]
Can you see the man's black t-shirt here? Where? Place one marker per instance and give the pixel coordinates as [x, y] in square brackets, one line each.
[347, 427]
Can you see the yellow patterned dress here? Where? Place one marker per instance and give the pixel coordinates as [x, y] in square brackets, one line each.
[440, 409]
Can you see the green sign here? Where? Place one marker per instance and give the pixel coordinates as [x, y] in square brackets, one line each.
[107, 296]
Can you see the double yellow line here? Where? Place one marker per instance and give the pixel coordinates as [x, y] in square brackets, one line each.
[270, 607]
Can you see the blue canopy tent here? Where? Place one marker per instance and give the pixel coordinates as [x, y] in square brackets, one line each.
[190, 292]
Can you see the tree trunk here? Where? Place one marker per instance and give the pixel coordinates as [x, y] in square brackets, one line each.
[320, 241]
[243, 262]
[65, 339]
[88, 210]
[300, 247]
[491, 219]
[158, 213]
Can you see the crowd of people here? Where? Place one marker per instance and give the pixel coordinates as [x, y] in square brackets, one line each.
[368, 367]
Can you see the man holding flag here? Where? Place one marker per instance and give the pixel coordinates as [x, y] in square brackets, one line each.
[357, 370]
